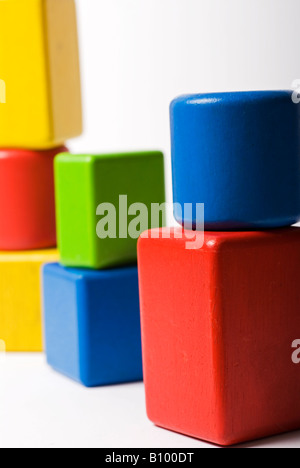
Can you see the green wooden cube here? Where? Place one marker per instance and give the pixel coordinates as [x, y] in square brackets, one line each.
[98, 221]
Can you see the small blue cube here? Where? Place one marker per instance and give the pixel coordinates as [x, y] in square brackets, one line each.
[239, 154]
[92, 324]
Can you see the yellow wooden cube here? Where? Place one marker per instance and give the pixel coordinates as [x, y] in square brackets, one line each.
[39, 66]
[20, 298]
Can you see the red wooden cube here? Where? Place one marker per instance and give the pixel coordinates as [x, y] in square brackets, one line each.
[218, 325]
[27, 206]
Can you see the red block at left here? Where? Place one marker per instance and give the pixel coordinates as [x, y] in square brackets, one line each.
[27, 206]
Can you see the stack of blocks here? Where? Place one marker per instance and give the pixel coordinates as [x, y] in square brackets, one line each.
[91, 299]
[40, 68]
[218, 322]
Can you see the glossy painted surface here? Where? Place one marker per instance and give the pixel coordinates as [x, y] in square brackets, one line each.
[20, 299]
[218, 324]
[239, 154]
[40, 67]
[27, 204]
[92, 324]
[82, 183]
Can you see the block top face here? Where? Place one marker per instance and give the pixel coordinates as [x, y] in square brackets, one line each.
[39, 65]
[232, 98]
[47, 255]
[98, 221]
[68, 158]
[83, 274]
[239, 154]
[216, 242]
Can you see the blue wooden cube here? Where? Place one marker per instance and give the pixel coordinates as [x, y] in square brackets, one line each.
[92, 324]
[239, 154]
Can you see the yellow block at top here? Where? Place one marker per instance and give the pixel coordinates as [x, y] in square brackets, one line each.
[20, 298]
[39, 65]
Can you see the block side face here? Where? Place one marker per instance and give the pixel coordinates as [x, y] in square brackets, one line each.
[140, 179]
[63, 68]
[259, 282]
[25, 117]
[104, 228]
[60, 298]
[180, 346]
[20, 303]
[75, 212]
[236, 181]
[27, 199]
[109, 328]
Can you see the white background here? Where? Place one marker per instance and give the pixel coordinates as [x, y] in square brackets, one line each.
[137, 55]
[40, 408]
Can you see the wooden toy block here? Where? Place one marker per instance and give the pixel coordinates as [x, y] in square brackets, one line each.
[92, 324]
[238, 153]
[20, 299]
[40, 68]
[27, 204]
[218, 325]
[84, 185]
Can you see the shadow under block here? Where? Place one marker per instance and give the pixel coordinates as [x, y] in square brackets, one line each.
[82, 183]
[39, 64]
[239, 154]
[218, 325]
[20, 299]
[27, 204]
[92, 324]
